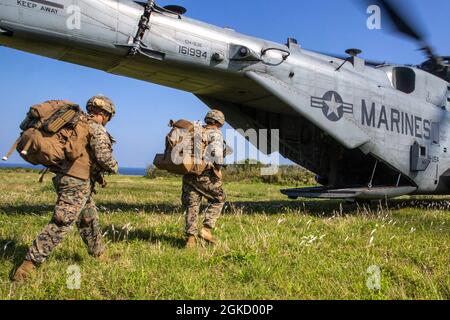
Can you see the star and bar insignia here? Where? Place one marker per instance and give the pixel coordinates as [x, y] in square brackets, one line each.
[332, 105]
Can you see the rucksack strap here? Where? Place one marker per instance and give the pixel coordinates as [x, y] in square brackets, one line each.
[43, 173]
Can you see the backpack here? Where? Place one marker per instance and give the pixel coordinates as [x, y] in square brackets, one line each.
[52, 133]
[185, 149]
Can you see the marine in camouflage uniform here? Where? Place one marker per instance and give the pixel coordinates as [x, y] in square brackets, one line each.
[74, 184]
[208, 185]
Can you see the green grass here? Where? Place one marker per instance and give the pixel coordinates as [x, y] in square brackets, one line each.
[270, 248]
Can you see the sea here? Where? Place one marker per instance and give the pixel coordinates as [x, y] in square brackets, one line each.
[122, 170]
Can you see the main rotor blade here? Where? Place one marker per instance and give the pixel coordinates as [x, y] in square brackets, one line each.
[400, 21]
[402, 24]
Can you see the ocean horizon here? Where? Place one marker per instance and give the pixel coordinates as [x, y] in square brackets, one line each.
[122, 170]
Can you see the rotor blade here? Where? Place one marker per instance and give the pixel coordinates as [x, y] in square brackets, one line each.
[399, 19]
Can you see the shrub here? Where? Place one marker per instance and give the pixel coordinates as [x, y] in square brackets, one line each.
[250, 171]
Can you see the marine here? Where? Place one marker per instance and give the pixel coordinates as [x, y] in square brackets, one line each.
[207, 185]
[74, 183]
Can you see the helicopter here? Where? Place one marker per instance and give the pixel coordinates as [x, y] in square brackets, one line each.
[368, 130]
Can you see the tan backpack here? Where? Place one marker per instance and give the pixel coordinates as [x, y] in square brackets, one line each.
[53, 132]
[185, 149]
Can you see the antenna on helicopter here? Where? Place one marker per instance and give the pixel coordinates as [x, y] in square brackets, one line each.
[353, 58]
[176, 9]
[353, 52]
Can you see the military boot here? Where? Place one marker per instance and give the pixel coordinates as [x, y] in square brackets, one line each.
[191, 242]
[25, 271]
[97, 251]
[206, 234]
[101, 256]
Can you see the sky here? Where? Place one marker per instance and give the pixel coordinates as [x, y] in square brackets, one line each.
[144, 109]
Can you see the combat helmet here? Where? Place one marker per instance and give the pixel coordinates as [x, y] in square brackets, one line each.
[103, 103]
[215, 115]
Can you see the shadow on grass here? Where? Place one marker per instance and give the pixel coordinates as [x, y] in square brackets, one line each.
[160, 208]
[119, 234]
[249, 207]
[114, 207]
[27, 209]
[10, 250]
[311, 207]
[318, 208]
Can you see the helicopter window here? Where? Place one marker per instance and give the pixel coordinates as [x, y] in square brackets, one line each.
[404, 79]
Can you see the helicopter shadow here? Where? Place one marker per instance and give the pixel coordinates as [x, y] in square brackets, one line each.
[324, 208]
[32, 210]
[312, 207]
[117, 234]
[117, 207]
[159, 208]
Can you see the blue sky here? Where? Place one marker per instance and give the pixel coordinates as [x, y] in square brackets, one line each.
[144, 109]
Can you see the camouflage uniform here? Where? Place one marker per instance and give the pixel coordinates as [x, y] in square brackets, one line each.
[207, 185]
[75, 203]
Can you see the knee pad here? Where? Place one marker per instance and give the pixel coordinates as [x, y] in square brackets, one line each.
[87, 217]
[63, 218]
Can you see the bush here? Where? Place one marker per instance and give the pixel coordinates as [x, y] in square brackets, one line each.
[19, 170]
[250, 171]
[155, 173]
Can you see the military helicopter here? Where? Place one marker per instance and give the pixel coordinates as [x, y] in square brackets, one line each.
[368, 130]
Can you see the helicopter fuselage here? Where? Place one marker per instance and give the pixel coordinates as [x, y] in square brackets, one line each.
[352, 124]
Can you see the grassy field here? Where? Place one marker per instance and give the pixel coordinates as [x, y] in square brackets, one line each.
[270, 248]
